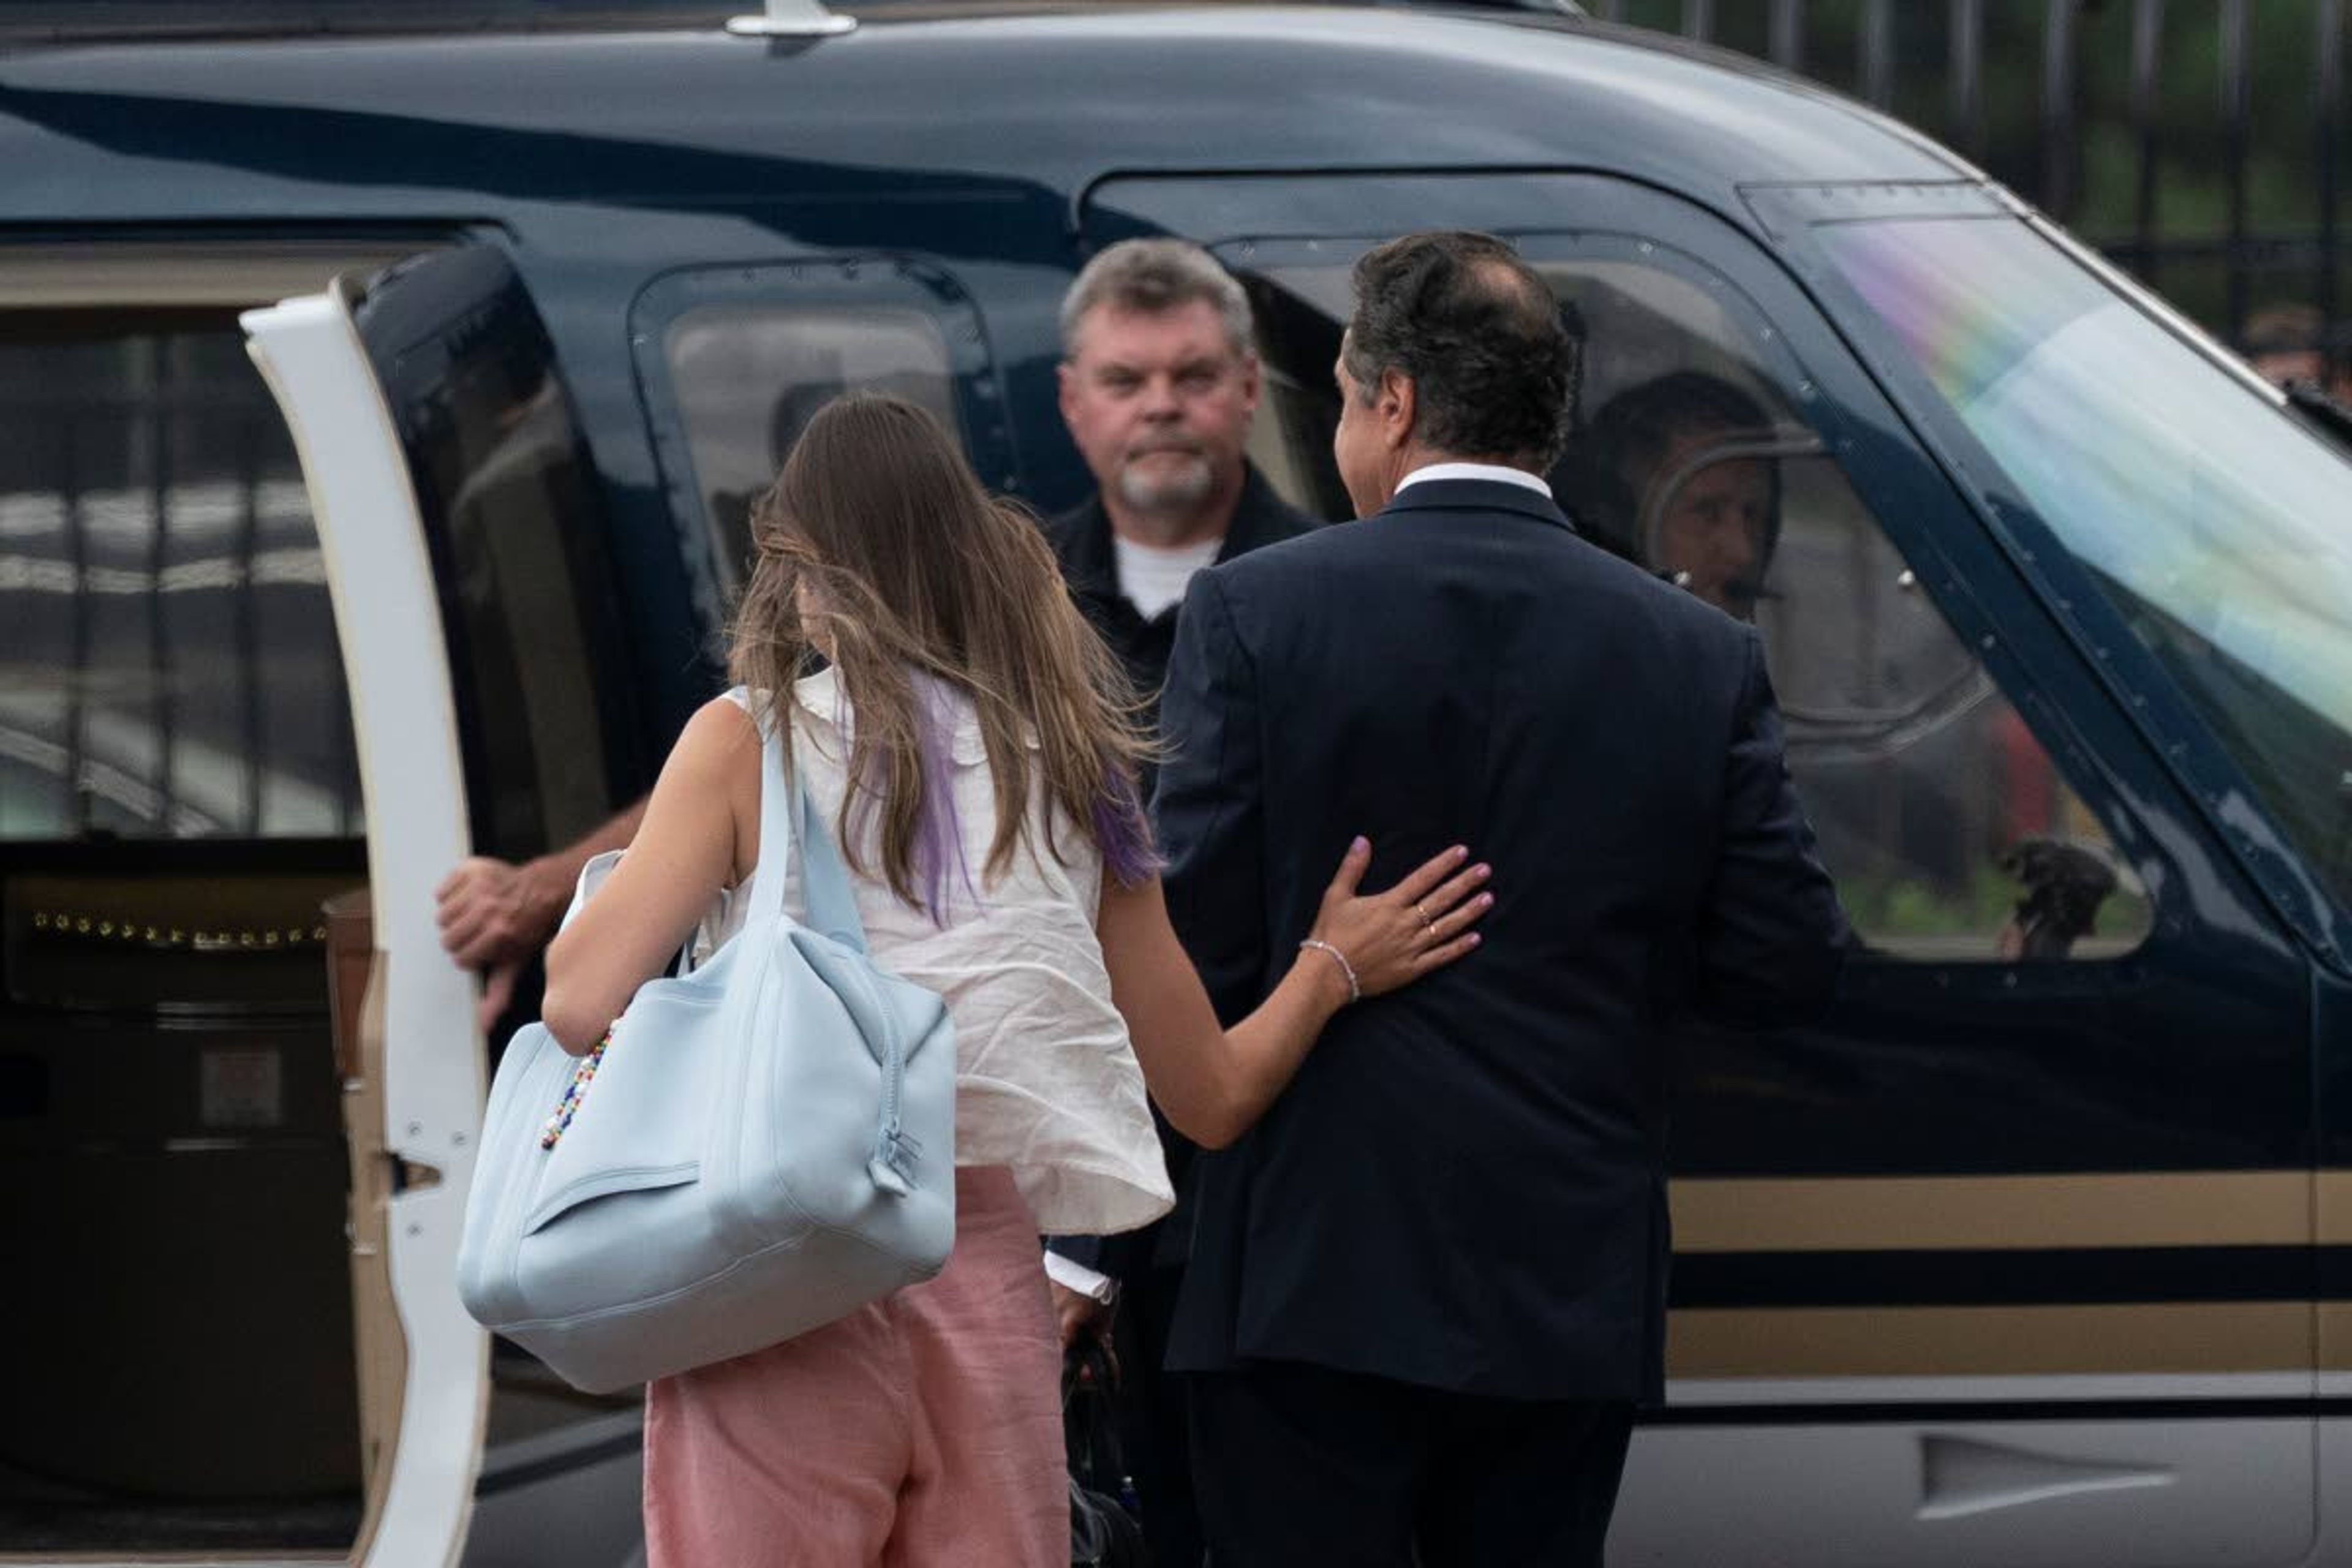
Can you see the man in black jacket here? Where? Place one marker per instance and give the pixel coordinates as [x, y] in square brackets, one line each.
[1428, 1288]
[1159, 383]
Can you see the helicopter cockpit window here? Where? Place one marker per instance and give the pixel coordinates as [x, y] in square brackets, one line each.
[747, 377]
[2236, 573]
[1950, 833]
[173, 672]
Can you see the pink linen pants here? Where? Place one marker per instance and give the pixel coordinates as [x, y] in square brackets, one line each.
[921, 1431]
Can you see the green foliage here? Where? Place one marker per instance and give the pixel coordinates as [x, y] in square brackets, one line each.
[1898, 906]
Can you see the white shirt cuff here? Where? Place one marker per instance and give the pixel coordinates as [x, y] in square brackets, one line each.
[1077, 1277]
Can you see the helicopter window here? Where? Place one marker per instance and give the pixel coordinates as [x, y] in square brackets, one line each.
[2217, 528]
[174, 668]
[1947, 827]
[749, 376]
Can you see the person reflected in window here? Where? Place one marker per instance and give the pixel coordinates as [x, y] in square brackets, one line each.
[1679, 493]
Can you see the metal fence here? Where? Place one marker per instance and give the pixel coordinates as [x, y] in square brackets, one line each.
[2200, 143]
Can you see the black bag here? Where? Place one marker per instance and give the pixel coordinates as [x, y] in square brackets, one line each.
[1104, 1533]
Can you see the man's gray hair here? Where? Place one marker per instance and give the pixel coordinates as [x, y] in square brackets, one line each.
[1150, 275]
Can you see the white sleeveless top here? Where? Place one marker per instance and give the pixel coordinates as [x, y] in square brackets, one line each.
[1046, 1080]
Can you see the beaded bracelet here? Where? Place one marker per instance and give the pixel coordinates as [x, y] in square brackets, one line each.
[1355, 992]
[582, 1072]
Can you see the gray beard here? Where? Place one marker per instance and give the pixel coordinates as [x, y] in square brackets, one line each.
[1172, 497]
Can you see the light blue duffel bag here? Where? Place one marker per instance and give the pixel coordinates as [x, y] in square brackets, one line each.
[766, 1144]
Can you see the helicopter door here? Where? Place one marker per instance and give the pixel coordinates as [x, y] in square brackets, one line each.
[482, 620]
[417, 1014]
[483, 628]
[437, 441]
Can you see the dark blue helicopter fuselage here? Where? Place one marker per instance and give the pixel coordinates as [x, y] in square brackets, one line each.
[985, 156]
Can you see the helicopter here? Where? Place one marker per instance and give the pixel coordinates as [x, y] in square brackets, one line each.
[385, 390]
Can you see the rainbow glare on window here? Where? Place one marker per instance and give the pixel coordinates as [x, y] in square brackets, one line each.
[2219, 528]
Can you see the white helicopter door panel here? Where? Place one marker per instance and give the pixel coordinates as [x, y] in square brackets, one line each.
[388, 619]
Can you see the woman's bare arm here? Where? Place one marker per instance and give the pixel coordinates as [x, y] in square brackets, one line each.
[1213, 1083]
[685, 851]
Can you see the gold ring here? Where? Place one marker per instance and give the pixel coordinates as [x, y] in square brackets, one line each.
[1426, 923]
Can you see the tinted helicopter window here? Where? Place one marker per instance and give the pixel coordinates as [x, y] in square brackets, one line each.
[2217, 528]
[513, 516]
[1950, 833]
[749, 377]
[172, 668]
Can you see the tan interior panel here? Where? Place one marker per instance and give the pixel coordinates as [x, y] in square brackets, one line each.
[356, 973]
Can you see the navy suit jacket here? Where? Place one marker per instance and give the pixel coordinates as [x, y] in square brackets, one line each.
[1465, 1186]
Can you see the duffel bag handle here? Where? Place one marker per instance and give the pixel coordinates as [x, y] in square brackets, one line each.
[832, 904]
[824, 877]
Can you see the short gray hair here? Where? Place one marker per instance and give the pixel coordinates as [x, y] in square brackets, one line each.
[1150, 275]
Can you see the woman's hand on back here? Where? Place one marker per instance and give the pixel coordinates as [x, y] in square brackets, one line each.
[1213, 1082]
[1393, 938]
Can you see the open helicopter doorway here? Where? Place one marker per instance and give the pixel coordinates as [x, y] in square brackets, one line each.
[249, 723]
[210, 1338]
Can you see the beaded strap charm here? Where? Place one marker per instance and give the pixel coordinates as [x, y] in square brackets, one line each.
[582, 1072]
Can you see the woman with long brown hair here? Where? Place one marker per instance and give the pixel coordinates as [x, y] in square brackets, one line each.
[970, 740]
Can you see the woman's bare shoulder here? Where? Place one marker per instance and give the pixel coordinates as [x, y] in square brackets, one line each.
[719, 740]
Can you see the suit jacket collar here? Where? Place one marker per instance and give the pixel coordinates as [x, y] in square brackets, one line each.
[1477, 495]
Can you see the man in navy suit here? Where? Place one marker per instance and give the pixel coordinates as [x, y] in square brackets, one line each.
[1428, 1288]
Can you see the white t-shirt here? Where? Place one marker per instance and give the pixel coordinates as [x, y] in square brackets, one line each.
[1046, 1080]
[1152, 579]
